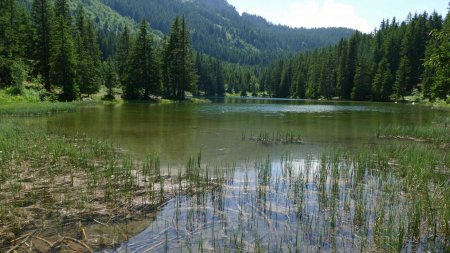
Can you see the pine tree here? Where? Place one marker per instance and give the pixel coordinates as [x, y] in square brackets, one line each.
[382, 82]
[437, 64]
[15, 38]
[62, 61]
[88, 55]
[299, 82]
[123, 49]
[402, 78]
[342, 68]
[189, 77]
[179, 61]
[286, 80]
[141, 79]
[110, 77]
[361, 81]
[42, 24]
[350, 67]
[220, 82]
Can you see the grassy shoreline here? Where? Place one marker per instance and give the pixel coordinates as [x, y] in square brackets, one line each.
[73, 191]
[50, 180]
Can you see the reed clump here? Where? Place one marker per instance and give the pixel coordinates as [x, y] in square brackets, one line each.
[379, 198]
[278, 137]
[54, 182]
[438, 132]
[36, 109]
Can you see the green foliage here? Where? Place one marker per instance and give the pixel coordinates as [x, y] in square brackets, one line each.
[88, 55]
[63, 61]
[19, 73]
[178, 63]
[41, 15]
[437, 65]
[387, 64]
[142, 77]
[110, 78]
[218, 30]
[211, 80]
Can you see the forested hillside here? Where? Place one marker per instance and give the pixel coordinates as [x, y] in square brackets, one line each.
[50, 44]
[219, 31]
[399, 59]
[72, 47]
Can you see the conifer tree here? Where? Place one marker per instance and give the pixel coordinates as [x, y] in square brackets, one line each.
[350, 67]
[123, 49]
[286, 80]
[179, 61]
[437, 64]
[219, 79]
[141, 79]
[402, 78]
[42, 23]
[362, 81]
[88, 55]
[382, 82]
[110, 77]
[62, 61]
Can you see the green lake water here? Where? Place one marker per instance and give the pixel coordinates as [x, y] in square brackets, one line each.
[280, 197]
[178, 131]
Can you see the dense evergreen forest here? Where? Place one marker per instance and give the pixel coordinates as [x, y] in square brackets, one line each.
[72, 49]
[60, 49]
[218, 30]
[396, 60]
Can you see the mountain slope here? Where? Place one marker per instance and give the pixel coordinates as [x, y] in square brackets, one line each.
[218, 29]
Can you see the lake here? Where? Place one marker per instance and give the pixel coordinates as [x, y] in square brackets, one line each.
[297, 175]
[178, 131]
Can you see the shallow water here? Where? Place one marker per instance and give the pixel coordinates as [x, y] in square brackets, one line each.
[269, 202]
[178, 131]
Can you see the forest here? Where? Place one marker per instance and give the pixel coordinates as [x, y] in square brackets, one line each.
[52, 46]
[398, 59]
[72, 53]
[218, 30]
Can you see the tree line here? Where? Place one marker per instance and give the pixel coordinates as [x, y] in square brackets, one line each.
[71, 56]
[221, 32]
[61, 50]
[396, 60]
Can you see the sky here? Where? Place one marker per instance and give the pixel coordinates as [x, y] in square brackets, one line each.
[363, 15]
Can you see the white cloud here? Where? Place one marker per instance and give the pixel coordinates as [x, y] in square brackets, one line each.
[327, 13]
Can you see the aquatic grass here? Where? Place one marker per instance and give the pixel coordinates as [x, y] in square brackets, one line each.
[35, 109]
[377, 198]
[278, 137]
[387, 197]
[437, 132]
[71, 178]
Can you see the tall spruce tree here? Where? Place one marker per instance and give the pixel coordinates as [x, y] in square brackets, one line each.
[62, 61]
[123, 49]
[15, 31]
[110, 77]
[437, 64]
[382, 82]
[42, 24]
[141, 78]
[88, 55]
[179, 61]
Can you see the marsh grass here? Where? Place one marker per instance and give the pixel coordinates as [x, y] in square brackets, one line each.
[35, 109]
[386, 198]
[438, 132]
[277, 137]
[49, 181]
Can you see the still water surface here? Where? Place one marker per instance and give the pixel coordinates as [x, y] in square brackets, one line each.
[278, 197]
[178, 131]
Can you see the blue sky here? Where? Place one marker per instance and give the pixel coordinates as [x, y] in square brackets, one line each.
[363, 15]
